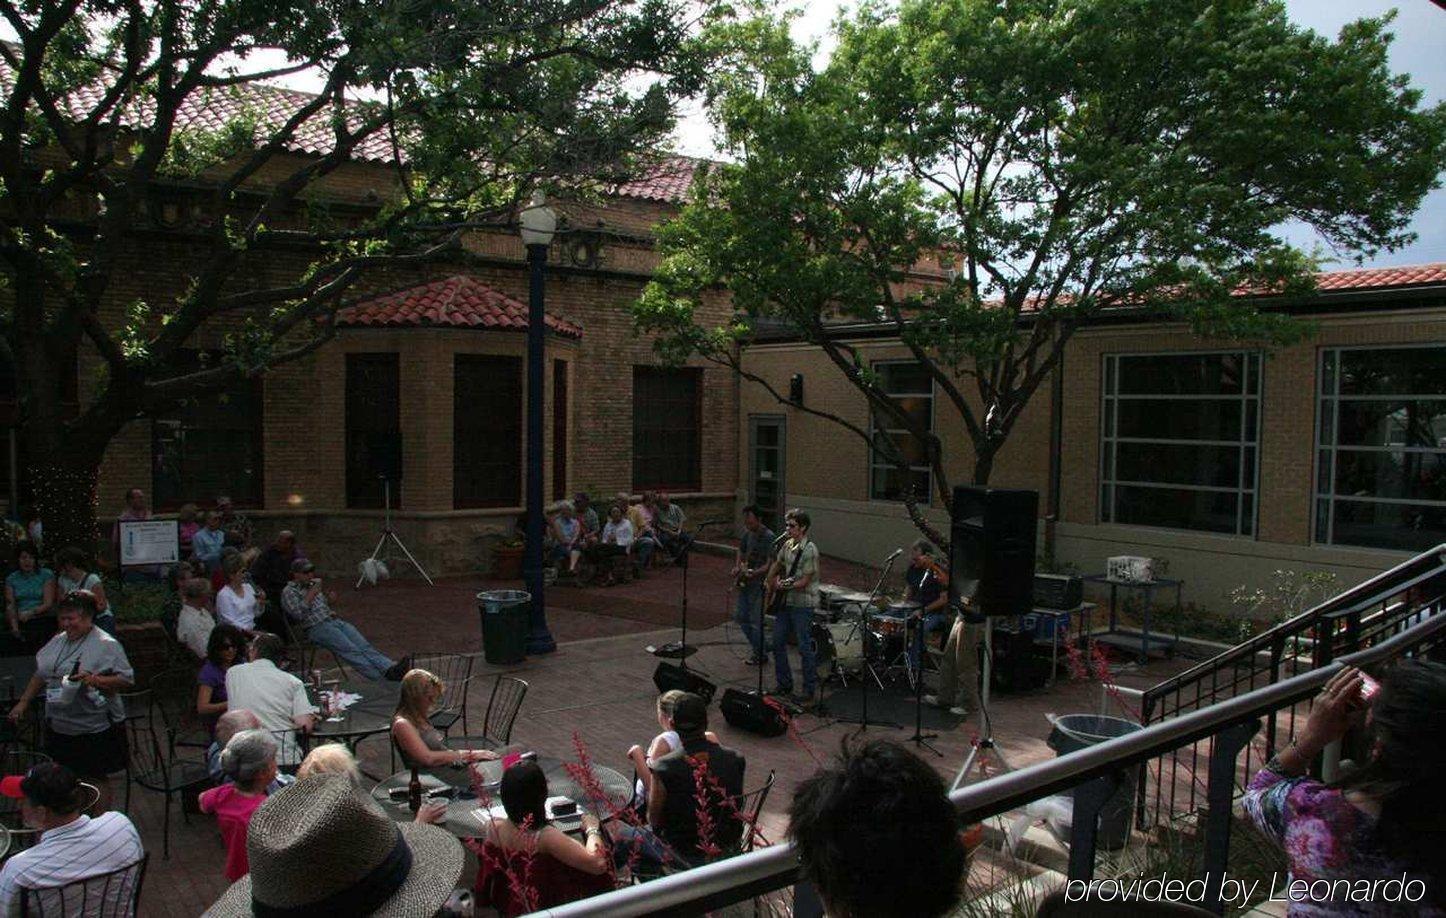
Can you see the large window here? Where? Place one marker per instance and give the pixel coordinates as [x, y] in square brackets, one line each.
[667, 429]
[1180, 437]
[913, 389]
[486, 431]
[1381, 438]
[208, 445]
[373, 429]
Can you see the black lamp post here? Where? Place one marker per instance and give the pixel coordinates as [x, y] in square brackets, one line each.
[539, 222]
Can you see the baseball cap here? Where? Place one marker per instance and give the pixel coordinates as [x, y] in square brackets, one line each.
[47, 783]
[302, 566]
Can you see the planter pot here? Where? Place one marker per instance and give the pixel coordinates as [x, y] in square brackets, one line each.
[507, 562]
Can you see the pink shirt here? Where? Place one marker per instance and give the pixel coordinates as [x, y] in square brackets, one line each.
[233, 810]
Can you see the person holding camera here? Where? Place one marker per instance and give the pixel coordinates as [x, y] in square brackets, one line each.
[305, 603]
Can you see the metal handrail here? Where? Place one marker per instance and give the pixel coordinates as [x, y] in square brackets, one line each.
[749, 875]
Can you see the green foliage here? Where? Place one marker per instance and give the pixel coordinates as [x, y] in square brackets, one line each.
[135, 603]
[1288, 594]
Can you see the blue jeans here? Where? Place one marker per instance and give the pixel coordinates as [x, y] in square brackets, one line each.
[934, 621]
[644, 548]
[749, 616]
[634, 845]
[356, 651]
[799, 620]
[675, 544]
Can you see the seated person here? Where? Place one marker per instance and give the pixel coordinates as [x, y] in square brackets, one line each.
[238, 602]
[223, 649]
[195, 623]
[616, 540]
[877, 835]
[305, 604]
[75, 574]
[645, 539]
[668, 522]
[208, 542]
[419, 742]
[558, 868]
[587, 516]
[271, 572]
[661, 745]
[567, 538]
[336, 759]
[72, 846]
[928, 585]
[672, 835]
[228, 725]
[275, 696]
[249, 763]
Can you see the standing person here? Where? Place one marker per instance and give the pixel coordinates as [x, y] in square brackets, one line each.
[276, 697]
[668, 521]
[137, 509]
[249, 762]
[81, 713]
[750, 563]
[208, 543]
[927, 584]
[304, 603]
[74, 575]
[959, 670]
[794, 574]
[30, 598]
[238, 602]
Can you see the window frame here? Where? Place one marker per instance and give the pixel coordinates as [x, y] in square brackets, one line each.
[520, 367]
[257, 436]
[1252, 364]
[682, 487]
[877, 462]
[1326, 500]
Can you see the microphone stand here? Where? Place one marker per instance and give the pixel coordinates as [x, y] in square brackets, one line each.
[681, 648]
[863, 719]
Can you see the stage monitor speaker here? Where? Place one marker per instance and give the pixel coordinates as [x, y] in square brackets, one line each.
[753, 713]
[669, 676]
[1058, 591]
[992, 536]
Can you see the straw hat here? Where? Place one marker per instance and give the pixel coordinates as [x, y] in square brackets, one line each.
[321, 847]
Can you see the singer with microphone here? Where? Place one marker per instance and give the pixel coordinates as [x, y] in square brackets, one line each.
[793, 587]
[755, 553]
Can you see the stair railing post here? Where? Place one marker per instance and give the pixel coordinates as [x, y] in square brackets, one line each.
[1219, 799]
[1089, 799]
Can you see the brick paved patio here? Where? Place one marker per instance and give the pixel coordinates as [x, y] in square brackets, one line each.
[598, 686]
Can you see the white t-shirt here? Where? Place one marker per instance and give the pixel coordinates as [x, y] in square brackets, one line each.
[620, 532]
[193, 629]
[237, 610]
[87, 847]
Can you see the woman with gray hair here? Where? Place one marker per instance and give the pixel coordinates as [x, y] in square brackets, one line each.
[249, 761]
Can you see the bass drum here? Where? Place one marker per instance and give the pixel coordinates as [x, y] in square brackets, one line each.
[838, 645]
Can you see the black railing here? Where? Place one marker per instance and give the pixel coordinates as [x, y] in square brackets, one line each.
[1095, 773]
[1355, 619]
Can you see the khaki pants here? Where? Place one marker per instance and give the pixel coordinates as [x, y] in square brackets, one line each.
[959, 667]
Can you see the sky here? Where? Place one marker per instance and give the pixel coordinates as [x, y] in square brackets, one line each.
[1419, 50]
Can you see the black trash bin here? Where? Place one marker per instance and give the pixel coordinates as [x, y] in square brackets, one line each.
[1077, 731]
[506, 621]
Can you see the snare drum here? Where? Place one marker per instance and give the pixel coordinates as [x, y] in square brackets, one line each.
[894, 621]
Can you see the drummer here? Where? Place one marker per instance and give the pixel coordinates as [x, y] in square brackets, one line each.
[928, 585]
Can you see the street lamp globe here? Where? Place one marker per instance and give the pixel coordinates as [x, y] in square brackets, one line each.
[539, 222]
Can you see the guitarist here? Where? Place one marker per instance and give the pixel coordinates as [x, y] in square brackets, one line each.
[793, 587]
[755, 554]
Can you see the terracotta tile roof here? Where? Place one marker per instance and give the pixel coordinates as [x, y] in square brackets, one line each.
[666, 180]
[1375, 278]
[460, 301]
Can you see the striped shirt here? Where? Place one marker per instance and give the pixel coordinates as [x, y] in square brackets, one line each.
[87, 847]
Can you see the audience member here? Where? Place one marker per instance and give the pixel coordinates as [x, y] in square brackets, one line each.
[304, 603]
[223, 649]
[662, 744]
[877, 835]
[80, 670]
[234, 721]
[555, 867]
[617, 539]
[30, 599]
[420, 743]
[187, 525]
[324, 847]
[195, 623]
[137, 509]
[567, 540]
[750, 564]
[208, 543]
[272, 572]
[672, 835]
[249, 761]
[587, 515]
[1380, 821]
[72, 846]
[336, 759]
[645, 540]
[669, 522]
[238, 602]
[276, 697]
[75, 575]
[237, 527]
[33, 526]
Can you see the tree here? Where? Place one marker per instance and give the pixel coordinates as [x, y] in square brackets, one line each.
[1066, 157]
[114, 108]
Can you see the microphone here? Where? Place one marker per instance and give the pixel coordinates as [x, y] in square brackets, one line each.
[895, 555]
[705, 525]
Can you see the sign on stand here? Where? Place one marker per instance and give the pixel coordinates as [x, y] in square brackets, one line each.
[144, 542]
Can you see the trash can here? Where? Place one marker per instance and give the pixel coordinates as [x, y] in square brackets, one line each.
[506, 621]
[1077, 731]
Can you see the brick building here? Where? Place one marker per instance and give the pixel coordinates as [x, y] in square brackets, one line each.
[1230, 461]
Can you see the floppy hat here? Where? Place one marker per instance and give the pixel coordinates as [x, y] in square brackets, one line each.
[321, 847]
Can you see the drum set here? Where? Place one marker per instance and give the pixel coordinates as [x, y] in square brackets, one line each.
[853, 639]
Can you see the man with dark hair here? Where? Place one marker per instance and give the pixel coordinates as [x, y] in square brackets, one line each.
[271, 572]
[795, 575]
[72, 846]
[700, 770]
[877, 835]
[755, 552]
[927, 584]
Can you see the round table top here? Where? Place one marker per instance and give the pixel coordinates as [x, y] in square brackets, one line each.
[463, 821]
[371, 714]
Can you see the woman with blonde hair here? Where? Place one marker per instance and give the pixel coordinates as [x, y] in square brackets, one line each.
[420, 743]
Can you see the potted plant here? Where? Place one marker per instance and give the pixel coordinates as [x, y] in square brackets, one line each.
[507, 559]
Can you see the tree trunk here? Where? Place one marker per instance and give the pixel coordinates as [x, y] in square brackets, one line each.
[983, 466]
[65, 497]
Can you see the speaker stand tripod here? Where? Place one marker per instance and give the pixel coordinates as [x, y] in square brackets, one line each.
[389, 533]
[984, 749]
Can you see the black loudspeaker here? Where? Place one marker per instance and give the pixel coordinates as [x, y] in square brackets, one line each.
[1017, 668]
[991, 560]
[1058, 591]
[748, 711]
[669, 676]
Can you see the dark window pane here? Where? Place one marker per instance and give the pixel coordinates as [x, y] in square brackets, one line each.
[487, 437]
[1402, 527]
[1247, 514]
[1399, 475]
[1212, 466]
[373, 428]
[889, 484]
[1391, 423]
[1327, 421]
[1204, 420]
[1180, 374]
[667, 428]
[911, 378]
[209, 445]
[1324, 477]
[1394, 371]
[1328, 373]
[1211, 511]
[1322, 521]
